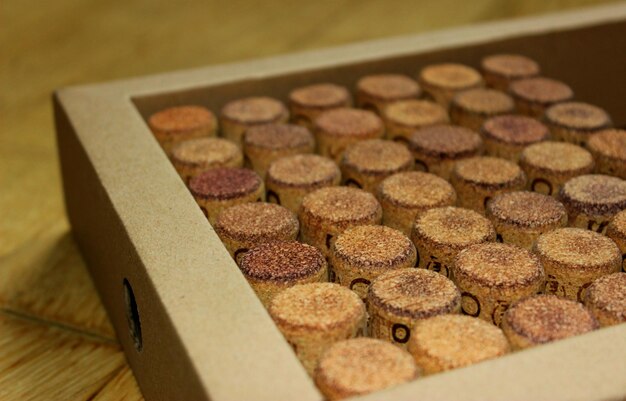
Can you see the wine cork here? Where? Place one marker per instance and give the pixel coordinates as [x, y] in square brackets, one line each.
[375, 92]
[508, 135]
[491, 276]
[443, 81]
[440, 234]
[471, 108]
[327, 212]
[336, 129]
[548, 165]
[541, 319]
[176, 124]
[592, 200]
[398, 299]
[448, 342]
[220, 188]
[239, 115]
[574, 122]
[573, 258]
[308, 102]
[362, 253]
[616, 230]
[533, 96]
[403, 117]
[438, 147]
[242, 227]
[263, 144]
[362, 365]
[520, 217]
[312, 317]
[405, 195]
[608, 148]
[606, 299]
[499, 70]
[366, 163]
[291, 178]
[193, 156]
[274, 266]
[478, 179]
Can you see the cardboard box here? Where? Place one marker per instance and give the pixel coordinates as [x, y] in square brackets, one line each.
[191, 326]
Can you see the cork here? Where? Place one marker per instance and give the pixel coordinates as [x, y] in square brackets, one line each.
[263, 144]
[403, 196]
[440, 234]
[403, 117]
[472, 107]
[375, 92]
[573, 258]
[608, 148]
[239, 115]
[541, 319]
[448, 342]
[574, 122]
[520, 217]
[290, 178]
[314, 316]
[592, 200]
[508, 135]
[362, 365]
[438, 147]
[219, 188]
[272, 267]
[362, 253]
[616, 230]
[442, 81]
[499, 70]
[492, 276]
[193, 156]
[327, 212]
[366, 163]
[175, 124]
[606, 299]
[242, 227]
[533, 96]
[548, 165]
[478, 179]
[336, 129]
[308, 102]
[398, 299]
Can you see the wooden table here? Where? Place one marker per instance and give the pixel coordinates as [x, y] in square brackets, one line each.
[56, 342]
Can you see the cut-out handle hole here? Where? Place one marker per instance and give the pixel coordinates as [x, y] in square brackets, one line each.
[132, 316]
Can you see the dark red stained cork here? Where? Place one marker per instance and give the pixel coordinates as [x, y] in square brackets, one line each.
[282, 261]
[446, 141]
[513, 129]
[224, 183]
[279, 136]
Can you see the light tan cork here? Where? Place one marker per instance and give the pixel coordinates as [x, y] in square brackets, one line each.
[238, 115]
[609, 150]
[193, 156]
[375, 92]
[606, 298]
[472, 107]
[499, 70]
[574, 122]
[175, 124]
[616, 230]
[306, 103]
[443, 81]
[405, 116]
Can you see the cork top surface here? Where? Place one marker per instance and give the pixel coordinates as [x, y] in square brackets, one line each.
[557, 157]
[362, 365]
[514, 129]
[497, 265]
[544, 318]
[324, 95]
[527, 209]
[279, 136]
[416, 113]
[349, 122]
[450, 76]
[594, 194]
[206, 152]
[181, 119]
[377, 156]
[453, 226]
[608, 293]
[541, 90]
[282, 261]
[317, 306]
[254, 110]
[578, 115]
[257, 221]
[578, 248]
[342, 204]
[484, 101]
[617, 226]
[510, 65]
[487, 170]
[224, 183]
[307, 170]
[609, 143]
[415, 293]
[388, 86]
[445, 141]
[373, 247]
[415, 189]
